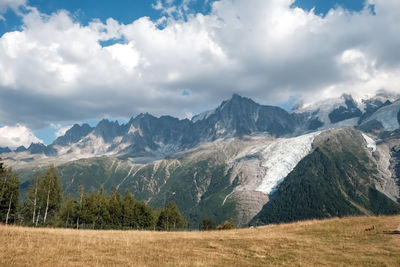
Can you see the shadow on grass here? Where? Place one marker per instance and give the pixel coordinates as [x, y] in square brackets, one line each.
[392, 232]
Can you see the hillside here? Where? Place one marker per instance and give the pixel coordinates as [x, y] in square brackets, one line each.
[333, 242]
[337, 179]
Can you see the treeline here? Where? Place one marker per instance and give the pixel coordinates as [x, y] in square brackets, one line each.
[45, 205]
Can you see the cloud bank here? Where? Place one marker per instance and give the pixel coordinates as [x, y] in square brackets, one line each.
[55, 69]
[15, 136]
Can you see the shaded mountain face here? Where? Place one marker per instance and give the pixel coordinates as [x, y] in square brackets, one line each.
[20, 149]
[242, 116]
[350, 110]
[5, 150]
[398, 117]
[38, 148]
[73, 135]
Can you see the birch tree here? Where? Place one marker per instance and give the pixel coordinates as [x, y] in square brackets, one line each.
[31, 203]
[50, 193]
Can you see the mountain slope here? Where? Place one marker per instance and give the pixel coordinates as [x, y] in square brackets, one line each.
[229, 163]
[336, 179]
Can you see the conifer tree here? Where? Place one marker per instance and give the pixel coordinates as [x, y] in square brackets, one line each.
[145, 217]
[129, 211]
[103, 216]
[171, 219]
[67, 212]
[9, 193]
[116, 209]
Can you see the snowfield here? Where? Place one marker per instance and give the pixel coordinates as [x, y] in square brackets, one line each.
[387, 116]
[371, 144]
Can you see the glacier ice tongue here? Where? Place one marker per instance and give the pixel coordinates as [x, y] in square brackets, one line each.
[281, 157]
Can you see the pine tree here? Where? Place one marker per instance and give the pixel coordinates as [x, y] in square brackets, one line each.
[116, 209]
[9, 193]
[129, 211]
[95, 210]
[103, 215]
[68, 212]
[145, 217]
[89, 209]
[171, 218]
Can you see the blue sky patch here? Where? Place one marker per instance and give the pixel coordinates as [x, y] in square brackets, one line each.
[323, 6]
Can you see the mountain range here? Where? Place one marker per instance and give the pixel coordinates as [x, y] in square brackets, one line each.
[242, 161]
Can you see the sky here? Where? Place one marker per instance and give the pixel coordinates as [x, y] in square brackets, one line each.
[73, 61]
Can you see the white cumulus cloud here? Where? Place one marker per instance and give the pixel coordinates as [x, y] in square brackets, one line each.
[55, 69]
[60, 129]
[15, 136]
[12, 4]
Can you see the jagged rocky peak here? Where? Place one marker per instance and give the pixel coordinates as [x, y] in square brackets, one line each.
[242, 116]
[330, 111]
[347, 111]
[108, 130]
[20, 149]
[5, 150]
[73, 135]
[236, 101]
[40, 148]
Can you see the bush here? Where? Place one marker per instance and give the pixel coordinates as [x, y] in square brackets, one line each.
[227, 225]
[207, 225]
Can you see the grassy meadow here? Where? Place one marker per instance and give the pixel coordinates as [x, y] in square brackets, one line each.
[333, 242]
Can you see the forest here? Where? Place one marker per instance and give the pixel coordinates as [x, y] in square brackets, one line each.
[45, 205]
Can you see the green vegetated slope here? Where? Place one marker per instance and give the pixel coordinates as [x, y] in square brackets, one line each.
[335, 180]
[197, 184]
[199, 188]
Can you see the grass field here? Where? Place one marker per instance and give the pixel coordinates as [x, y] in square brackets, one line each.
[334, 242]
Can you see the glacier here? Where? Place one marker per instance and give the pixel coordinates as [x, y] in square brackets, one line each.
[278, 157]
[387, 116]
[281, 157]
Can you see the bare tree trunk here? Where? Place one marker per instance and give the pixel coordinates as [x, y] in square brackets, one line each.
[37, 217]
[9, 208]
[47, 206]
[35, 201]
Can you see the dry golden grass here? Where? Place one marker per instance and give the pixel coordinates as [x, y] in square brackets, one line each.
[335, 242]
